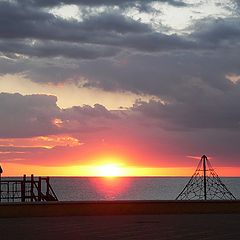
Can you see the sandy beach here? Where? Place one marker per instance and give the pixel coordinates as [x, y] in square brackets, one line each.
[171, 226]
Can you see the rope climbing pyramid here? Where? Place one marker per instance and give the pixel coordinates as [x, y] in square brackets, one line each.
[205, 184]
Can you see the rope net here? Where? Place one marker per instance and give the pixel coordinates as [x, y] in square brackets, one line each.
[205, 184]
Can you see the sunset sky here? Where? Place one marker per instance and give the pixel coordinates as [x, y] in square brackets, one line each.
[142, 87]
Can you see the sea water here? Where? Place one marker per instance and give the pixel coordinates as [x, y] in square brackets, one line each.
[124, 188]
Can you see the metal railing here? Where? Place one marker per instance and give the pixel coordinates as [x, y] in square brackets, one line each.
[26, 190]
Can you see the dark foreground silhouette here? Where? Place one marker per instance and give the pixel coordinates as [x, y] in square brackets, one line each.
[181, 226]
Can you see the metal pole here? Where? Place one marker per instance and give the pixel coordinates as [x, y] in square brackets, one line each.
[32, 182]
[48, 187]
[23, 188]
[8, 194]
[0, 187]
[39, 189]
[1, 171]
[204, 175]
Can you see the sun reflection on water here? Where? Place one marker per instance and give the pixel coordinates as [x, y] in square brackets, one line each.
[111, 187]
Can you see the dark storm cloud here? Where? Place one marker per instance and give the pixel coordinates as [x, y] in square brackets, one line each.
[96, 3]
[225, 32]
[9, 66]
[155, 42]
[110, 46]
[113, 22]
[100, 31]
[109, 30]
[218, 112]
[55, 49]
[178, 76]
[87, 111]
[27, 116]
[96, 36]
[17, 22]
[105, 35]
[34, 115]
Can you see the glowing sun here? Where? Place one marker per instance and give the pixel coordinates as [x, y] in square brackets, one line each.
[109, 170]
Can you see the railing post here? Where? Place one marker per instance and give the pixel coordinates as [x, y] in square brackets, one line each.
[32, 182]
[48, 187]
[8, 193]
[23, 188]
[39, 189]
[0, 186]
[1, 171]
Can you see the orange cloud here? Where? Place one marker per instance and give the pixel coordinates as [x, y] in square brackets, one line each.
[40, 142]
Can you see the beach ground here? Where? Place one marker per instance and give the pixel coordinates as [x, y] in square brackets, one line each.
[164, 226]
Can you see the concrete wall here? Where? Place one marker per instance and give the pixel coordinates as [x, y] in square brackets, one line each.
[91, 208]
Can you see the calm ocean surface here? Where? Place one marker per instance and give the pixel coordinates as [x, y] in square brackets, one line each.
[125, 188]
